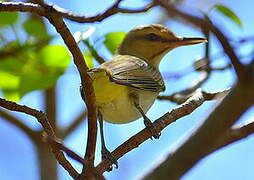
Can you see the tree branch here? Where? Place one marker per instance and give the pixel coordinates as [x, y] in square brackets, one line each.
[180, 111]
[230, 136]
[86, 82]
[46, 10]
[181, 96]
[114, 9]
[58, 144]
[217, 95]
[50, 13]
[206, 138]
[50, 106]
[23, 7]
[42, 119]
[236, 134]
[208, 96]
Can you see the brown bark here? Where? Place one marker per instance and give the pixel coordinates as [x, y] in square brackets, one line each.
[47, 162]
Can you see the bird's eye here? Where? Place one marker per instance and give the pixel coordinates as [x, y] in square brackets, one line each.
[152, 37]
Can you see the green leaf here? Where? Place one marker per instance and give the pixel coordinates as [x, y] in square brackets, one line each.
[8, 18]
[55, 56]
[30, 83]
[44, 68]
[35, 28]
[11, 95]
[12, 64]
[9, 84]
[228, 13]
[30, 70]
[88, 59]
[8, 80]
[113, 40]
[10, 46]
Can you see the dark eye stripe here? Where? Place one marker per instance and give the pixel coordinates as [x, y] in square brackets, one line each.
[153, 37]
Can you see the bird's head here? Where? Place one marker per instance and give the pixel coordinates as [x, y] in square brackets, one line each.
[152, 42]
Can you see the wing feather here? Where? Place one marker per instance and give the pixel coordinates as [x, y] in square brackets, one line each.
[134, 72]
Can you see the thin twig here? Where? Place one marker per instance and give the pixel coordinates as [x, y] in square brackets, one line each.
[55, 10]
[56, 143]
[178, 98]
[221, 68]
[114, 9]
[216, 95]
[94, 53]
[181, 96]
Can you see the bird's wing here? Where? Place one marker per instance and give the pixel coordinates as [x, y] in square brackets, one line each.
[134, 72]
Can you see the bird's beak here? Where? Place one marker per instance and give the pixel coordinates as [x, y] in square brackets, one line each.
[182, 41]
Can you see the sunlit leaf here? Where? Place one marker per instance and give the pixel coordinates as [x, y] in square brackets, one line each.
[54, 56]
[11, 95]
[228, 13]
[113, 40]
[8, 80]
[9, 84]
[8, 18]
[88, 59]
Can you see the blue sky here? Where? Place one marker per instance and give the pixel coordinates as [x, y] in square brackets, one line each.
[233, 162]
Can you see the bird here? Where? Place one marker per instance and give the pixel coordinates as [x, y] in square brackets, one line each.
[127, 86]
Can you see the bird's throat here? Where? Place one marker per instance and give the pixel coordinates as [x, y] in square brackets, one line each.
[156, 58]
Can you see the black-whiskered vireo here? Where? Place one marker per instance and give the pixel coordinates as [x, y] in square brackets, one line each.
[127, 85]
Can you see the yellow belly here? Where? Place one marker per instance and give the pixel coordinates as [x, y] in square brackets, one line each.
[114, 102]
[105, 90]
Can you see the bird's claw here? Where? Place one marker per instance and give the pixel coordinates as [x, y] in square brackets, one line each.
[150, 126]
[107, 155]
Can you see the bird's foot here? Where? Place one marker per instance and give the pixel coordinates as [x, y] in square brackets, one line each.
[108, 155]
[150, 126]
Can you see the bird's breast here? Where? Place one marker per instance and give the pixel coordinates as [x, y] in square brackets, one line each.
[122, 110]
[114, 101]
[105, 90]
